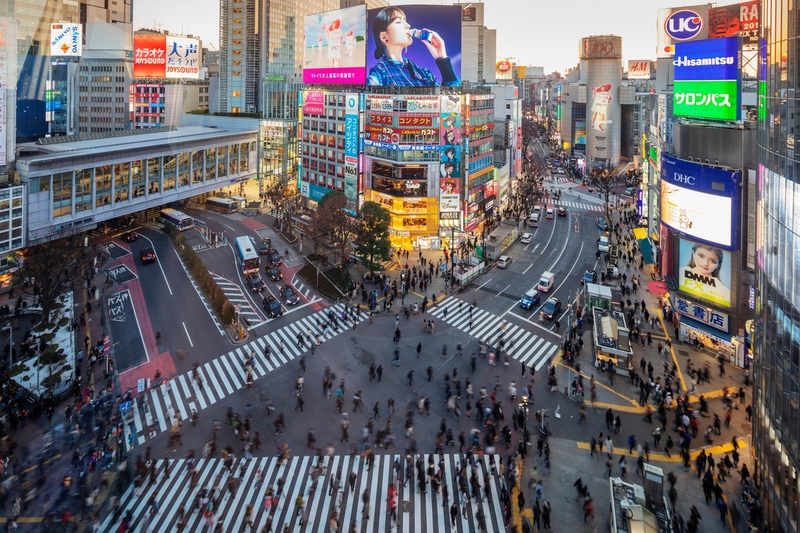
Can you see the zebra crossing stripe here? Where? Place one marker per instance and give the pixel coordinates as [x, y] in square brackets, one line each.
[416, 512]
[225, 374]
[520, 344]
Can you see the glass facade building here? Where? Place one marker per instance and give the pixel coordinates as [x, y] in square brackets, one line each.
[776, 372]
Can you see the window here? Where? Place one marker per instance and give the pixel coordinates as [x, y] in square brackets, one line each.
[197, 166]
[83, 190]
[236, 93]
[121, 180]
[102, 186]
[62, 194]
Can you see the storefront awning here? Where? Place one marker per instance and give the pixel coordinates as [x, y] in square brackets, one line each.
[640, 234]
[657, 287]
[706, 329]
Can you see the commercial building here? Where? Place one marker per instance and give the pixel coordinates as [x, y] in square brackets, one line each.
[239, 52]
[776, 297]
[478, 45]
[507, 138]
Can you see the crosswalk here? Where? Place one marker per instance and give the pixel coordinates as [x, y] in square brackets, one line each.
[558, 179]
[156, 410]
[233, 292]
[581, 205]
[245, 485]
[519, 343]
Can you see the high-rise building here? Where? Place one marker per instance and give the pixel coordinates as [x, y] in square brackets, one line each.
[239, 54]
[478, 46]
[776, 371]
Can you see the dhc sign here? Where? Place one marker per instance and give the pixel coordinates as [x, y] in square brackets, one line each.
[684, 25]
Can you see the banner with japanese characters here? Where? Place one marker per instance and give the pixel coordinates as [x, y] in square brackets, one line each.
[3, 109]
[156, 55]
[708, 79]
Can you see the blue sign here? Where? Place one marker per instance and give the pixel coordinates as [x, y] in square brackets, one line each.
[351, 127]
[709, 60]
[124, 406]
[683, 25]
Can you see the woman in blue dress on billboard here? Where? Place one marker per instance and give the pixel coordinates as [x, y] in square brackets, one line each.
[392, 34]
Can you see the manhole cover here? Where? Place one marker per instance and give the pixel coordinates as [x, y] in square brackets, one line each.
[683, 353]
[407, 506]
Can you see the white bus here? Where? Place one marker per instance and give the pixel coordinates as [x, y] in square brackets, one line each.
[176, 218]
[241, 201]
[247, 255]
[221, 205]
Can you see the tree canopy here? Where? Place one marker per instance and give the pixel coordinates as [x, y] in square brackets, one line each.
[372, 237]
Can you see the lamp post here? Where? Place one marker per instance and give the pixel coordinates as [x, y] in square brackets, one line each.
[453, 256]
[403, 287]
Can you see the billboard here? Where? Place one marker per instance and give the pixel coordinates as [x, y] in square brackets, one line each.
[601, 99]
[66, 39]
[414, 45]
[449, 195]
[314, 103]
[704, 271]
[351, 131]
[450, 137]
[639, 69]
[735, 20]
[156, 55]
[334, 47]
[580, 132]
[3, 108]
[700, 202]
[708, 79]
[680, 24]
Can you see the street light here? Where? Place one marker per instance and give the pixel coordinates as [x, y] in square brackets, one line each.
[403, 287]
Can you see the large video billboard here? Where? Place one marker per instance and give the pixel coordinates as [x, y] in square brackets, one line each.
[414, 45]
[734, 20]
[335, 46]
[705, 271]
[708, 79]
[156, 55]
[700, 202]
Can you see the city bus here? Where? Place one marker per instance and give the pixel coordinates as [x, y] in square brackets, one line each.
[177, 219]
[247, 255]
[241, 201]
[221, 205]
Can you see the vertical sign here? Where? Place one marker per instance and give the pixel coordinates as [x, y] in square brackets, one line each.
[351, 131]
[3, 110]
[751, 219]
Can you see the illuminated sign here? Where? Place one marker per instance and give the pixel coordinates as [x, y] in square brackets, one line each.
[702, 314]
[683, 25]
[334, 47]
[708, 79]
[156, 55]
[66, 39]
[639, 69]
[705, 271]
[734, 20]
[700, 202]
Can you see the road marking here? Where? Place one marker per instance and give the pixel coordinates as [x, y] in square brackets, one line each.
[187, 334]
[504, 290]
[158, 262]
[478, 288]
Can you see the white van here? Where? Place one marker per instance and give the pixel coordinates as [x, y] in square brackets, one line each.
[546, 281]
[602, 243]
[533, 220]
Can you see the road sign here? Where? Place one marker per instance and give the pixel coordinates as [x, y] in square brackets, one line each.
[124, 406]
[141, 385]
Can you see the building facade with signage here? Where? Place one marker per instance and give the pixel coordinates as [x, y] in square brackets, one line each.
[480, 179]
[478, 45]
[776, 297]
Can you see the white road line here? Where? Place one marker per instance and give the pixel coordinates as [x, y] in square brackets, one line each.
[187, 334]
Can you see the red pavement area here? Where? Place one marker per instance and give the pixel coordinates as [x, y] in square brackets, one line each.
[252, 223]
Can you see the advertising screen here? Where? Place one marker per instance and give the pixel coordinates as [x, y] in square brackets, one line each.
[156, 55]
[700, 202]
[704, 271]
[66, 39]
[580, 132]
[734, 20]
[414, 45]
[335, 46]
[601, 99]
[708, 79]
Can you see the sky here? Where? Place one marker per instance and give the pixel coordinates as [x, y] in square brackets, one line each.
[534, 32]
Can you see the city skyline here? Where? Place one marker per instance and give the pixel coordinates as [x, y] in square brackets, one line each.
[635, 22]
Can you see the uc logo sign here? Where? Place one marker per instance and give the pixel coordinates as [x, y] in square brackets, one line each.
[683, 25]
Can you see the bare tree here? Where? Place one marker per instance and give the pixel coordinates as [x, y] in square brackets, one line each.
[333, 222]
[604, 183]
[51, 269]
[286, 202]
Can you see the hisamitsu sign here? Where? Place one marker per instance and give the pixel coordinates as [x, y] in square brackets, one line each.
[708, 79]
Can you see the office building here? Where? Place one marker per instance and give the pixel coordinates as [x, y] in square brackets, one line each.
[239, 54]
[478, 45]
[776, 371]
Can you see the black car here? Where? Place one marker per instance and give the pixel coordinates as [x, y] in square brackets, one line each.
[274, 258]
[147, 255]
[551, 308]
[272, 306]
[274, 273]
[263, 248]
[130, 236]
[289, 296]
[255, 282]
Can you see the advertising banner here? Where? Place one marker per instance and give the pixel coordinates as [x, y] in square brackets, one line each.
[314, 103]
[708, 79]
[680, 24]
[3, 108]
[156, 55]
[351, 131]
[335, 46]
[709, 316]
[639, 69]
[580, 132]
[66, 39]
[700, 202]
[704, 271]
[449, 195]
[414, 45]
[450, 137]
[601, 99]
[735, 20]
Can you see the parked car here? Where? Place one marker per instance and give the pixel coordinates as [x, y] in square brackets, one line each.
[602, 224]
[551, 308]
[274, 273]
[272, 307]
[274, 257]
[289, 296]
[562, 211]
[590, 276]
[537, 209]
[504, 261]
[255, 282]
[147, 255]
[529, 299]
[263, 248]
[130, 236]
[526, 238]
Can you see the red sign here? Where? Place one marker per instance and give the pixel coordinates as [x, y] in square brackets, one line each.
[503, 66]
[381, 119]
[150, 55]
[415, 121]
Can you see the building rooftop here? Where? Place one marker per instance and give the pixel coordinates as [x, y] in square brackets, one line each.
[53, 148]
